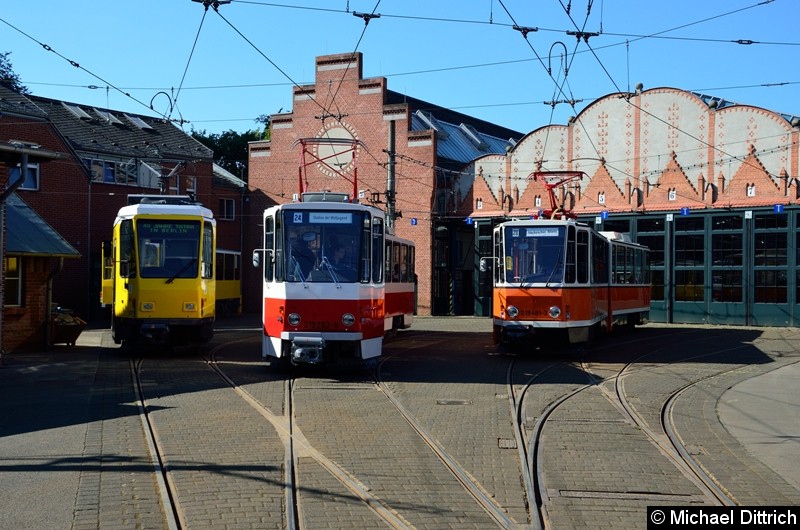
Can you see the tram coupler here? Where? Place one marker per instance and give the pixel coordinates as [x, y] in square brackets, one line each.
[307, 350]
[154, 333]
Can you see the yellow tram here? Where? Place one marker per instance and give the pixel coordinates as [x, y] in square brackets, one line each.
[158, 271]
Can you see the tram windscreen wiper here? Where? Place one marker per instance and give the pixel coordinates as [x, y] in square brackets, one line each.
[556, 266]
[298, 273]
[330, 269]
[181, 270]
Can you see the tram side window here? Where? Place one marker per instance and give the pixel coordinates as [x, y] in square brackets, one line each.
[387, 259]
[599, 259]
[569, 277]
[498, 264]
[629, 265]
[403, 263]
[127, 253]
[412, 273]
[280, 249]
[583, 256]
[228, 266]
[397, 260]
[377, 249]
[638, 267]
[269, 242]
[207, 268]
[618, 265]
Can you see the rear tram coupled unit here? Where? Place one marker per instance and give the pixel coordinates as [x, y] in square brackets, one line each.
[158, 271]
[335, 281]
[556, 280]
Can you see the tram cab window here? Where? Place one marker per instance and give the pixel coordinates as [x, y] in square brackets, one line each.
[534, 254]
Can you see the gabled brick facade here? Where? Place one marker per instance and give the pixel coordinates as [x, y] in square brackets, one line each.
[342, 104]
[655, 150]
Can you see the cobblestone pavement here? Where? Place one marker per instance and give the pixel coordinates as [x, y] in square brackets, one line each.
[73, 454]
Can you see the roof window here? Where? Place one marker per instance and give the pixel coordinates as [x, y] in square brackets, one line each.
[77, 111]
[108, 117]
[432, 123]
[137, 121]
[473, 135]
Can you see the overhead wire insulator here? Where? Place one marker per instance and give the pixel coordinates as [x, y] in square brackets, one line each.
[525, 30]
[366, 16]
[583, 35]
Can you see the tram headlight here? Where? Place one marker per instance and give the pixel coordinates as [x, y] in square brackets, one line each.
[293, 319]
[148, 306]
[348, 320]
[554, 312]
[189, 306]
[512, 311]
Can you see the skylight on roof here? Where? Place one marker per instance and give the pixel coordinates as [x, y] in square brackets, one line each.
[473, 135]
[108, 117]
[77, 111]
[432, 123]
[136, 120]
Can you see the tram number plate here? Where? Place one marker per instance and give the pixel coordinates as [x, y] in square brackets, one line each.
[533, 312]
[320, 324]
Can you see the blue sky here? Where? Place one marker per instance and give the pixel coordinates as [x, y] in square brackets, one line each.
[219, 70]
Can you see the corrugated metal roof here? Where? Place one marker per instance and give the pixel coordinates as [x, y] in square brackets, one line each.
[27, 233]
[461, 138]
[459, 142]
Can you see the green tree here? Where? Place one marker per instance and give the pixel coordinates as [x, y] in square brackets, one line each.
[8, 76]
[230, 148]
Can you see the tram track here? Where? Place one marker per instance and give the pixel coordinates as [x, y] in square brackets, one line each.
[166, 491]
[296, 446]
[546, 398]
[651, 414]
[533, 446]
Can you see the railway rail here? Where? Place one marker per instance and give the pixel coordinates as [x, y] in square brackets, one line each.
[446, 431]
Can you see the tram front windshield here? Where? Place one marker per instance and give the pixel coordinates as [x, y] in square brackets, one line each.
[326, 246]
[168, 248]
[534, 254]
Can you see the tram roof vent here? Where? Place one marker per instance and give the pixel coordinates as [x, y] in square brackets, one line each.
[324, 196]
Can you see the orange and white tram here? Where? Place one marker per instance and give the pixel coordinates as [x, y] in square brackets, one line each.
[326, 295]
[561, 280]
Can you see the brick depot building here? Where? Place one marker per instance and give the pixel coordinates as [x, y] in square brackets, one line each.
[431, 146]
[710, 186]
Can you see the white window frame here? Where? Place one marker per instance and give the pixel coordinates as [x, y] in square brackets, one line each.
[190, 184]
[227, 209]
[33, 174]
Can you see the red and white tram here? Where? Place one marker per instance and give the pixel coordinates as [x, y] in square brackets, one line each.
[334, 281]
